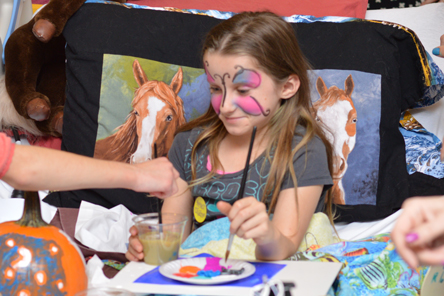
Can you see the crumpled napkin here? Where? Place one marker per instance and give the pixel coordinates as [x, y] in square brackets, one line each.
[102, 229]
[94, 272]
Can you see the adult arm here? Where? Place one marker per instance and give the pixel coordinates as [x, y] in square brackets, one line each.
[36, 168]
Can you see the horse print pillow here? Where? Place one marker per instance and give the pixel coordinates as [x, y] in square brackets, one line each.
[150, 115]
[134, 75]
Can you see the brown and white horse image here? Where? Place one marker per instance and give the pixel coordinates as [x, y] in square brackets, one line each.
[335, 109]
[157, 113]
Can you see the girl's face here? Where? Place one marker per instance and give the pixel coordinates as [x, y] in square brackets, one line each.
[243, 95]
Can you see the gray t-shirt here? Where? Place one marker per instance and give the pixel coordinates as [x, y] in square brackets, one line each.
[310, 165]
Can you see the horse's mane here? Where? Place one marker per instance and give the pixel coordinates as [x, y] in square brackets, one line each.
[122, 144]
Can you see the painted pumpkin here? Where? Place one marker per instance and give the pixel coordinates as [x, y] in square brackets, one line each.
[37, 258]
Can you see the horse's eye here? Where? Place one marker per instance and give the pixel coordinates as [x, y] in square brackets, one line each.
[136, 113]
[355, 120]
[317, 118]
[169, 118]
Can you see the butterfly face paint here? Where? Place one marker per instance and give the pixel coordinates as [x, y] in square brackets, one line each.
[244, 78]
[248, 104]
[247, 77]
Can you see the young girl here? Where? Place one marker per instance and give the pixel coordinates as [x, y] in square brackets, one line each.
[258, 77]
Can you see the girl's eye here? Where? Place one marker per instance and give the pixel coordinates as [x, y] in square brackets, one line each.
[214, 89]
[243, 91]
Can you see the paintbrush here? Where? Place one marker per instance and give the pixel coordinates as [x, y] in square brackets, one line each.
[242, 188]
[159, 214]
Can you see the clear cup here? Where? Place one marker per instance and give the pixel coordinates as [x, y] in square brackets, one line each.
[161, 242]
[103, 291]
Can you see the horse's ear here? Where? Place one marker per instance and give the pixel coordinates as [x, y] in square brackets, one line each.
[320, 86]
[176, 82]
[139, 74]
[349, 85]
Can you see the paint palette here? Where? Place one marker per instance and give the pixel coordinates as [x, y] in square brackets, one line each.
[183, 270]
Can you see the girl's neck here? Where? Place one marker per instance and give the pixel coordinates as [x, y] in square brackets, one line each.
[233, 151]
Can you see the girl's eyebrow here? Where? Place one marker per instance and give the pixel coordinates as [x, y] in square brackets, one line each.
[246, 76]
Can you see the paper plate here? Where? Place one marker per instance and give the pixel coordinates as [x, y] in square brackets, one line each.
[170, 268]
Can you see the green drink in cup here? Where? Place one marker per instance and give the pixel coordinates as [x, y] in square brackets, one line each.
[161, 241]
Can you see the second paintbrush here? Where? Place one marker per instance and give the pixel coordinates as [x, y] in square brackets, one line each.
[242, 187]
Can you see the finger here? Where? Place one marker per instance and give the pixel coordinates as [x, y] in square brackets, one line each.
[224, 207]
[133, 255]
[130, 256]
[246, 210]
[433, 256]
[439, 51]
[135, 248]
[248, 228]
[133, 231]
[409, 256]
[428, 2]
[428, 231]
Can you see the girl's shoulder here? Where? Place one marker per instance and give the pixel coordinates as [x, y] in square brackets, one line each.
[300, 133]
[189, 136]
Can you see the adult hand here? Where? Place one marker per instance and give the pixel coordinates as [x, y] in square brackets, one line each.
[157, 176]
[249, 219]
[419, 232]
[439, 51]
[135, 248]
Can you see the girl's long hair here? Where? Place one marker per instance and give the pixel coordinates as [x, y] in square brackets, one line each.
[271, 41]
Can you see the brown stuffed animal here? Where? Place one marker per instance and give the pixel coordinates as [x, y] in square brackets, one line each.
[35, 66]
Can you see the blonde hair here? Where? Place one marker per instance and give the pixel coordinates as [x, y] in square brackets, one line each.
[271, 41]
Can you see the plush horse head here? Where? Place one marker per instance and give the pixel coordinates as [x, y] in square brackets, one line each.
[335, 109]
[157, 113]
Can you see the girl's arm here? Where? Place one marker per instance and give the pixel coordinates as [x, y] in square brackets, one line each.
[279, 238]
[288, 231]
[181, 203]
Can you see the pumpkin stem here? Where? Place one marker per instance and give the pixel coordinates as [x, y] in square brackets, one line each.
[32, 216]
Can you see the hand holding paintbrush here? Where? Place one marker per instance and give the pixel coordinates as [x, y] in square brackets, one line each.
[242, 187]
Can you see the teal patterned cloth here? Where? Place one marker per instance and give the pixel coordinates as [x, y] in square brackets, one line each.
[370, 267]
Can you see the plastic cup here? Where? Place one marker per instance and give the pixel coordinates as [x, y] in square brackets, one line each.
[105, 292]
[161, 242]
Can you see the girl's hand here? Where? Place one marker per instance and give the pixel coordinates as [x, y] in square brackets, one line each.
[419, 232]
[135, 248]
[249, 219]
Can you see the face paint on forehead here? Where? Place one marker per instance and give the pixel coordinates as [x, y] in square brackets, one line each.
[213, 80]
[250, 106]
[246, 76]
[209, 77]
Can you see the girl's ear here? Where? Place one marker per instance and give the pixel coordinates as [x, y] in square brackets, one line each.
[290, 87]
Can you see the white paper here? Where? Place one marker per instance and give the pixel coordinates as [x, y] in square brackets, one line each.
[103, 229]
[433, 284]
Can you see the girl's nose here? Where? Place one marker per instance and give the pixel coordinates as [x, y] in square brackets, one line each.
[227, 105]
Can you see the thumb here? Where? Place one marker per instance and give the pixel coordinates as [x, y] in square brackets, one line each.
[439, 51]
[224, 207]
